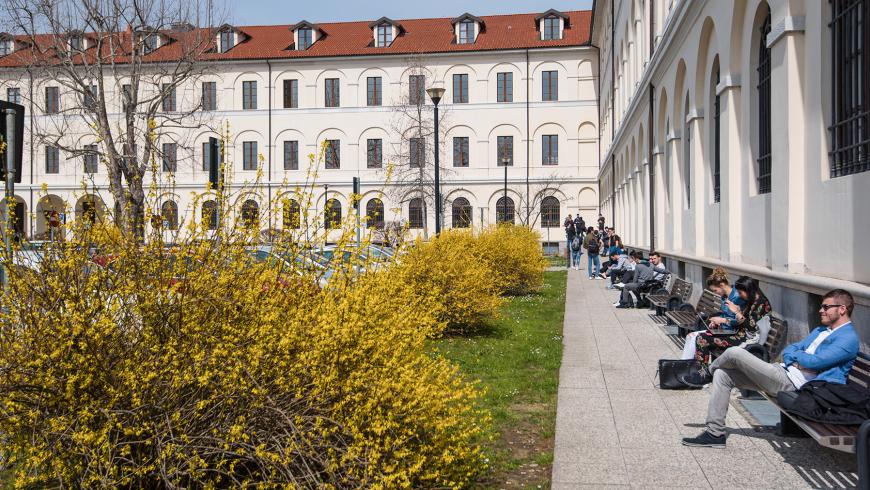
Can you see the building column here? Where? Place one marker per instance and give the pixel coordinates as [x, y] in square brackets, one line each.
[733, 188]
[698, 170]
[659, 204]
[788, 156]
[644, 205]
[676, 220]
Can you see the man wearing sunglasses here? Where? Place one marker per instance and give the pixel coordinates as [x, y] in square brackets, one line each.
[827, 354]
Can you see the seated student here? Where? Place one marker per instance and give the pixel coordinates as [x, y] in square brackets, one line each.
[827, 354]
[701, 345]
[621, 263]
[642, 275]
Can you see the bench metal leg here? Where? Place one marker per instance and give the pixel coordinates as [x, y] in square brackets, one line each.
[787, 428]
[861, 451]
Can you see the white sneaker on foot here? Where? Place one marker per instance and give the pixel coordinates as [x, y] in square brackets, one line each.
[616, 304]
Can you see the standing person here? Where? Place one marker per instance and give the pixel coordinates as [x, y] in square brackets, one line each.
[576, 250]
[570, 233]
[600, 221]
[593, 247]
[605, 241]
[582, 227]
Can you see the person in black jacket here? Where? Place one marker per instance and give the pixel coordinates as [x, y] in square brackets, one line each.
[570, 233]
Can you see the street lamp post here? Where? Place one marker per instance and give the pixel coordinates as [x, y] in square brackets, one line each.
[435, 93]
[325, 215]
[504, 163]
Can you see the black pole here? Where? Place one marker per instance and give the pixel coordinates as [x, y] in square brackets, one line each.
[325, 208]
[437, 177]
[504, 212]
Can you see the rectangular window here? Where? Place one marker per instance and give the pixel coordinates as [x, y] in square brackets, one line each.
[550, 86]
[850, 87]
[551, 29]
[91, 159]
[209, 96]
[304, 38]
[170, 157]
[206, 156]
[52, 100]
[291, 155]
[91, 96]
[5, 47]
[249, 155]
[505, 85]
[13, 94]
[416, 156]
[332, 93]
[550, 150]
[291, 94]
[333, 154]
[505, 151]
[717, 143]
[466, 32]
[249, 95]
[460, 151]
[228, 39]
[168, 98]
[385, 35]
[52, 160]
[764, 130]
[126, 96]
[417, 89]
[460, 88]
[374, 153]
[373, 91]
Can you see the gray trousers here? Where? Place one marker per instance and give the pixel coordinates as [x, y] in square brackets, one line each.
[738, 368]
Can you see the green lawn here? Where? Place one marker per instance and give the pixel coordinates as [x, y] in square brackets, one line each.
[517, 362]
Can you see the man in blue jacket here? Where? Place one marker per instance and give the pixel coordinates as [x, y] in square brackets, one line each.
[827, 354]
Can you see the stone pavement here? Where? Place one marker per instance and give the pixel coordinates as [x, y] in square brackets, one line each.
[614, 427]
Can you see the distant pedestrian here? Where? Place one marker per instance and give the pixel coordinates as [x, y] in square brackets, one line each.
[570, 233]
[601, 221]
[593, 247]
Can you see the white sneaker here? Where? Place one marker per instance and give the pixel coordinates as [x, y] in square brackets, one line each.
[591, 278]
[619, 285]
[616, 304]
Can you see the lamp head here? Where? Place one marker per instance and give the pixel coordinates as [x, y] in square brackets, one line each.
[435, 93]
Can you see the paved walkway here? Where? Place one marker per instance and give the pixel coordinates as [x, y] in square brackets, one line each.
[614, 427]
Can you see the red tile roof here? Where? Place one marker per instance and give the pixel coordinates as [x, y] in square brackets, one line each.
[419, 36]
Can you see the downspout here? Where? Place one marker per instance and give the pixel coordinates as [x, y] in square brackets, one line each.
[269, 148]
[528, 141]
[650, 133]
[30, 91]
[612, 113]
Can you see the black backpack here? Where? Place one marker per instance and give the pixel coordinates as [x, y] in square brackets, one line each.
[593, 247]
[576, 244]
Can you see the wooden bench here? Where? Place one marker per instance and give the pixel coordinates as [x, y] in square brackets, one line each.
[837, 437]
[683, 319]
[670, 298]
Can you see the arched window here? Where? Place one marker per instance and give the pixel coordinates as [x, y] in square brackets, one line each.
[764, 130]
[687, 154]
[169, 214]
[250, 214]
[504, 210]
[332, 218]
[290, 214]
[415, 213]
[89, 210]
[550, 212]
[375, 213]
[717, 132]
[461, 213]
[210, 214]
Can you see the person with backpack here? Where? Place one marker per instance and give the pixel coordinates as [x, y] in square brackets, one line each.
[570, 234]
[576, 251]
[593, 247]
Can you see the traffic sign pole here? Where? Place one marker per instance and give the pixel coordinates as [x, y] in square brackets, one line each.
[10, 192]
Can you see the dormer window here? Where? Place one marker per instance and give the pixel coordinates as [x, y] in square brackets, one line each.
[385, 31]
[385, 35]
[466, 28]
[75, 43]
[150, 43]
[6, 46]
[306, 38]
[551, 24]
[227, 41]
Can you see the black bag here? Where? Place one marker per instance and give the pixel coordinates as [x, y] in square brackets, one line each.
[673, 372]
[575, 244]
[593, 247]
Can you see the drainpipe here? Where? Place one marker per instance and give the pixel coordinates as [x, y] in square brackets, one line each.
[528, 140]
[650, 133]
[269, 148]
[612, 113]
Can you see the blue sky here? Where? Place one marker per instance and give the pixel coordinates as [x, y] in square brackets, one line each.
[257, 12]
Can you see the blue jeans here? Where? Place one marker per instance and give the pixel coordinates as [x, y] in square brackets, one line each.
[593, 258]
[575, 256]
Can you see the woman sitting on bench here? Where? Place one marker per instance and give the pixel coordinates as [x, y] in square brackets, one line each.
[723, 331]
[755, 309]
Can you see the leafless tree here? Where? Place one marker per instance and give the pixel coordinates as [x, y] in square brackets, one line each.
[529, 210]
[412, 172]
[122, 62]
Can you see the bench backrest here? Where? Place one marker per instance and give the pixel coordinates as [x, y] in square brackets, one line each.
[860, 372]
[681, 289]
[776, 336]
[709, 303]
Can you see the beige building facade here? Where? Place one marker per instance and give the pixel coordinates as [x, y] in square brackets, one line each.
[736, 134]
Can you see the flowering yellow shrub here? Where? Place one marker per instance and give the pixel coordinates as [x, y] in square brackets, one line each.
[514, 255]
[196, 367]
[457, 286]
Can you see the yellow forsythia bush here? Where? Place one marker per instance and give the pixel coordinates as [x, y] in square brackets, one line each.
[458, 286]
[195, 367]
[514, 255]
